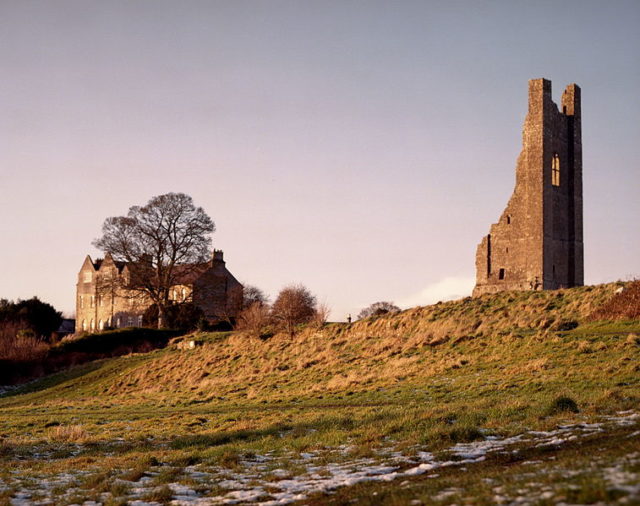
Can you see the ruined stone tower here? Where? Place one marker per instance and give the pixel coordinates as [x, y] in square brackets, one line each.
[537, 243]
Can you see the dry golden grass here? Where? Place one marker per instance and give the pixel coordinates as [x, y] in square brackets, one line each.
[624, 305]
[68, 434]
[340, 356]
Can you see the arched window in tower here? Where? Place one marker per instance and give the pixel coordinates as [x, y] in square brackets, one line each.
[555, 170]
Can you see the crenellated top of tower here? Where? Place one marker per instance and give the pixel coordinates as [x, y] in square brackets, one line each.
[571, 100]
[540, 96]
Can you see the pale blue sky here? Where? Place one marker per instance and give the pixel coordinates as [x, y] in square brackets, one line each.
[361, 148]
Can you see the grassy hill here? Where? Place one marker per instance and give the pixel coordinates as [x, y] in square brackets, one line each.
[385, 391]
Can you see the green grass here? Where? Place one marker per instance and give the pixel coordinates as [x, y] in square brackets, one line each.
[426, 378]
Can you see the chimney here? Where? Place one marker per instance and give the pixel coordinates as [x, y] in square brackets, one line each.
[217, 257]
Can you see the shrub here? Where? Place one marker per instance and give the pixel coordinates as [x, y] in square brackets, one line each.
[564, 325]
[18, 344]
[185, 316]
[378, 309]
[254, 319]
[33, 314]
[109, 341]
[562, 405]
[465, 434]
[321, 315]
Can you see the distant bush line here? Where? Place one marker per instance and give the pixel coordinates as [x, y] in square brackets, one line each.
[65, 354]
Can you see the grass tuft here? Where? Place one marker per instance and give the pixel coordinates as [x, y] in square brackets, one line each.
[68, 433]
[163, 495]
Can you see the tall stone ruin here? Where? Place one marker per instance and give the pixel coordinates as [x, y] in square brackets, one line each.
[537, 243]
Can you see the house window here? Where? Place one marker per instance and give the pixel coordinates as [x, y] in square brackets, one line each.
[555, 170]
[81, 301]
[184, 294]
[508, 220]
[84, 325]
[118, 322]
[100, 325]
[501, 274]
[140, 321]
[93, 300]
[87, 277]
[93, 325]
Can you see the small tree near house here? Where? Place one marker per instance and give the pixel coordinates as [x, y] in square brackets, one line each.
[294, 305]
[256, 312]
[255, 319]
[253, 295]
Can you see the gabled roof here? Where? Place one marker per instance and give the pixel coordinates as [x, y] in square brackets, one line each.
[186, 274]
[108, 259]
[88, 262]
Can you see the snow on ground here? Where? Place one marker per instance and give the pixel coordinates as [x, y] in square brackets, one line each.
[259, 481]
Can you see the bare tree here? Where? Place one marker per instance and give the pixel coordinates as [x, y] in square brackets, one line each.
[160, 242]
[254, 318]
[377, 309]
[252, 295]
[321, 315]
[294, 305]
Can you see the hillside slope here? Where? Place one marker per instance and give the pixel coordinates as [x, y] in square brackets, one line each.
[514, 332]
[410, 385]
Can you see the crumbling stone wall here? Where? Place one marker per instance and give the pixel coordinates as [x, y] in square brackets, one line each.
[537, 242]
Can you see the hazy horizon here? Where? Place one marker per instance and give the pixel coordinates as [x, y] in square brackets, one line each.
[362, 149]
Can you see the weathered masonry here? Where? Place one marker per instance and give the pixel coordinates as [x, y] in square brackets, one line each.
[537, 243]
[103, 300]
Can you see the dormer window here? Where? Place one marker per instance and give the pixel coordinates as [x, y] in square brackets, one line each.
[87, 277]
[555, 170]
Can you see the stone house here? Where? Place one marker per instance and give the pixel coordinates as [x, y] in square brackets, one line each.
[103, 302]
